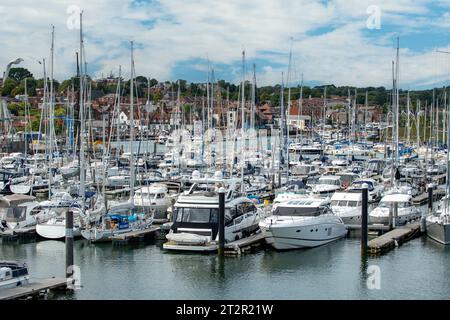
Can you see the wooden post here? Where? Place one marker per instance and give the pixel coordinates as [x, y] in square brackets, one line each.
[394, 220]
[430, 199]
[69, 243]
[221, 221]
[391, 214]
[364, 218]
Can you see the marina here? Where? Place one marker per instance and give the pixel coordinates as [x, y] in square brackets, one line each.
[131, 188]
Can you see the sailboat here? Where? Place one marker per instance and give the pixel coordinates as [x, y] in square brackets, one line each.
[121, 217]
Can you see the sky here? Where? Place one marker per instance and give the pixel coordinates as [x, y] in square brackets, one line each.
[340, 42]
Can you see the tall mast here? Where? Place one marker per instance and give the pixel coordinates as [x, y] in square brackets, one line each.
[397, 74]
[323, 113]
[288, 83]
[243, 121]
[300, 104]
[119, 80]
[82, 169]
[132, 125]
[418, 122]
[253, 111]
[365, 112]
[51, 114]
[283, 143]
[408, 128]
[448, 153]
[444, 120]
[207, 99]
[26, 116]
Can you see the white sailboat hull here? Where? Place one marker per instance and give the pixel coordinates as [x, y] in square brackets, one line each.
[55, 231]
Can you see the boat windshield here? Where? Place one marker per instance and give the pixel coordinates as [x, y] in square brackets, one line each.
[359, 184]
[385, 204]
[344, 203]
[196, 215]
[15, 214]
[299, 211]
[333, 182]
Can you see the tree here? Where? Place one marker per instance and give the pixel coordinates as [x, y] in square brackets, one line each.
[8, 87]
[18, 74]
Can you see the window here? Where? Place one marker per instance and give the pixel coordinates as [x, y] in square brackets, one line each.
[13, 214]
[352, 204]
[178, 213]
[197, 215]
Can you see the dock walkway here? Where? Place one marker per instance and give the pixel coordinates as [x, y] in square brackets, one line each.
[245, 244]
[393, 238]
[139, 235]
[33, 289]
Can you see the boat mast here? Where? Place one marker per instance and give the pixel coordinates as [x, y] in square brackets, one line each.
[132, 125]
[82, 169]
[243, 122]
[444, 112]
[253, 110]
[118, 107]
[418, 122]
[397, 74]
[300, 103]
[282, 133]
[408, 129]
[51, 114]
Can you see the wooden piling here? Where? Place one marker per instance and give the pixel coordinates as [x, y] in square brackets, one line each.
[364, 220]
[221, 222]
[69, 243]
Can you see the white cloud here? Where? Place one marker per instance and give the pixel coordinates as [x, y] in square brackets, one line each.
[174, 31]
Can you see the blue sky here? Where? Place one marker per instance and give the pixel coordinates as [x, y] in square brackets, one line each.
[330, 40]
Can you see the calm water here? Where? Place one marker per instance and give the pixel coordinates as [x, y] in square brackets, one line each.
[417, 270]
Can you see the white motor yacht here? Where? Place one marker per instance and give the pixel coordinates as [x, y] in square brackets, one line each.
[302, 223]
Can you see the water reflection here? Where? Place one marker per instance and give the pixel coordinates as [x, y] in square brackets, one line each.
[417, 269]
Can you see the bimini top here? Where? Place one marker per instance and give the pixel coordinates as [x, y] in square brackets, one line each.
[15, 200]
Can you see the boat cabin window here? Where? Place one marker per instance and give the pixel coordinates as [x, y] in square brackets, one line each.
[160, 196]
[352, 203]
[335, 203]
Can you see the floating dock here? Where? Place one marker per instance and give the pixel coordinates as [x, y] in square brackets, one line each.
[233, 248]
[393, 238]
[244, 245]
[422, 199]
[34, 289]
[134, 236]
